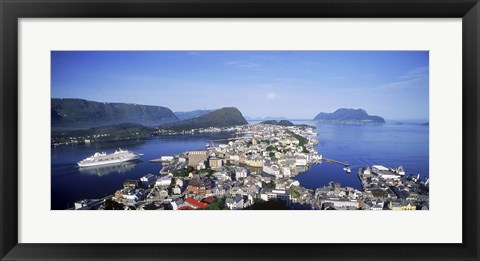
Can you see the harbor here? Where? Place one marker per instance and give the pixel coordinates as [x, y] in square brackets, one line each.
[166, 186]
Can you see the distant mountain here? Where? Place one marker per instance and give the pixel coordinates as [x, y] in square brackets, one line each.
[70, 114]
[348, 116]
[281, 123]
[185, 115]
[268, 118]
[224, 117]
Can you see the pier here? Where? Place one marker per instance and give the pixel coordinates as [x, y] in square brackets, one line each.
[346, 164]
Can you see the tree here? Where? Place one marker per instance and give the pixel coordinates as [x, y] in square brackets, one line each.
[217, 204]
[269, 205]
[112, 205]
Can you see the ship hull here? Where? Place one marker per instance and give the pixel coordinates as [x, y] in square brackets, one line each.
[101, 163]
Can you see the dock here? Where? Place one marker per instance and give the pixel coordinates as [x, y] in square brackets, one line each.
[346, 164]
[163, 159]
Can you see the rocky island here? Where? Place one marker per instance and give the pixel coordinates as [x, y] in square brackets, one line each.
[348, 116]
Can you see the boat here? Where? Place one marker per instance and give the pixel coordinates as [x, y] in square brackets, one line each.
[347, 169]
[102, 158]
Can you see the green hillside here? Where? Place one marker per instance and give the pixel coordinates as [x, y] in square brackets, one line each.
[224, 117]
[70, 114]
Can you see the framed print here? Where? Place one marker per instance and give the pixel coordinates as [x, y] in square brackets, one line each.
[128, 125]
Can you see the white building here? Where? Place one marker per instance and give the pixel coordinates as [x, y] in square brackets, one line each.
[339, 203]
[235, 158]
[301, 160]
[177, 190]
[286, 171]
[275, 194]
[179, 182]
[147, 180]
[292, 182]
[164, 181]
[240, 172]
[271, 169]
[384, 172]
[235, 203]
[378, 206]
[221, 176]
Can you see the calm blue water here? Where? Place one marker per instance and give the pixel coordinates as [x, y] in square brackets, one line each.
[362, 145]
[70, 183]
[389, 145]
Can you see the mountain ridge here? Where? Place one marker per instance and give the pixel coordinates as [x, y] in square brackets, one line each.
[70, 114]
[185, 115]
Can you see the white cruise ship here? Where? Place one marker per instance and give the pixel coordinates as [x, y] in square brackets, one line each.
[102, 158]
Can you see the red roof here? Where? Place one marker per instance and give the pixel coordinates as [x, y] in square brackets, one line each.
[196, 203]
[185, 208]
[208, 199]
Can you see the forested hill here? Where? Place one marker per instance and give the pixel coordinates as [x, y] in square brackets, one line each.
[224, 117]
[70, 114]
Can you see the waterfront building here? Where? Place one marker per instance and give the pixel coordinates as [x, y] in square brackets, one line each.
[384, 172]
[166, 158]
[129, 197]
[301, 160]
[147, 180]
[182, 158]
[130, 184]
[292, 182]
[83, 204]
[367, 171]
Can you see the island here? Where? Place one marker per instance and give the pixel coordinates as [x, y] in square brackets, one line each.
[348, 116]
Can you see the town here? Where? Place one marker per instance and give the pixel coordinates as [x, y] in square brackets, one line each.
[253, 171]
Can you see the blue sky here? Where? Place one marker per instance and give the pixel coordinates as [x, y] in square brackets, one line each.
[292, 84]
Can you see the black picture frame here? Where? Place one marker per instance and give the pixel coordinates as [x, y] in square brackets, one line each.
[12, 10]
